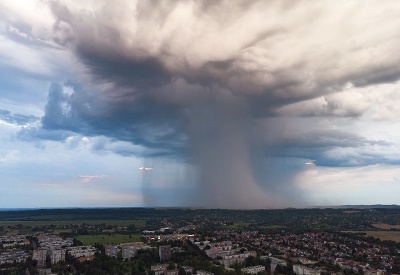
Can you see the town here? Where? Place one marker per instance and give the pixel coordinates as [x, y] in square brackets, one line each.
[182, 244]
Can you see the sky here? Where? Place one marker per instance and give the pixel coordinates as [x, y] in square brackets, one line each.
[233, 104]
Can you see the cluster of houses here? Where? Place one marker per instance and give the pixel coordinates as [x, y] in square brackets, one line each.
[224, 252]
[308, 252]
[13, 249]
[127, 250]
[54, 247]
[307, 249]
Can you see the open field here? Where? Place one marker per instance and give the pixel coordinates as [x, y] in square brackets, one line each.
[271, 227]
[137, 223]
[382, 235]
[108, 239]
[12, 232]
[237, 225]
[58, 231]
[386, 226]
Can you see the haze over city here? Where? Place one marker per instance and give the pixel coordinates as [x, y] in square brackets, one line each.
[216, 104]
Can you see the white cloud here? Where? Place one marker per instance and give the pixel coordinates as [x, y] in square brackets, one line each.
[90, 178]
[375, 184]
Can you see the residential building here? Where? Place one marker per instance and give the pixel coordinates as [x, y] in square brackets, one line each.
[11, 256]
[40, 256]
[159, 269]
[229, 260]
[128, 251]
[188, 269]
[81, 251]
[253, 269]
[164, 252]
[57, 255]
[111, 250]
[303, 270]
[275, 262]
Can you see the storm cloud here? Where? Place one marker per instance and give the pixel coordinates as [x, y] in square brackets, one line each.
[210, 83]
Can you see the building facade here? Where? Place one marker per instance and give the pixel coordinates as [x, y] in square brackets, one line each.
[57, 255]
[253, 269]
[164, 252]
[40, 256]
[128, 251]
[111, 250]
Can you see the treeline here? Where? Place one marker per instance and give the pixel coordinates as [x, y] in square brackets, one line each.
[302, 219]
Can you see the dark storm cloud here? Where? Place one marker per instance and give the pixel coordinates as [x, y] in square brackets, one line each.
[153, 47]
[333, 148]
[191, 78]
[126, 119]
[329, 138]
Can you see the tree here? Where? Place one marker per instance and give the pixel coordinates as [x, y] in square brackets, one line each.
[171, 266]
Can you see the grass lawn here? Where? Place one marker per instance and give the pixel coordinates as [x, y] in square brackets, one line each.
[106, 239]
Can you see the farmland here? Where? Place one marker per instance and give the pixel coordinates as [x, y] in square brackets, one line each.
[382, 235]
[386, 226]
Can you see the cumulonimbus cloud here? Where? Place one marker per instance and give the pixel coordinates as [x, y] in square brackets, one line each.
[195, 78]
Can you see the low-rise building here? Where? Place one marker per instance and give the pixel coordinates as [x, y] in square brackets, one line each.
[229, 260]
[111, 250]
[253, 269]
[188, 269]
[50, 241]
[12, 256]
[13, 241]
[171, 272]
[275, 262]
[159, 269]
[303, 270]
[81, 251]
[128, 250]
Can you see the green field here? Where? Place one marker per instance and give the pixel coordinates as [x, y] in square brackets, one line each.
[237, 225]
[107, 239]
[137, 223]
